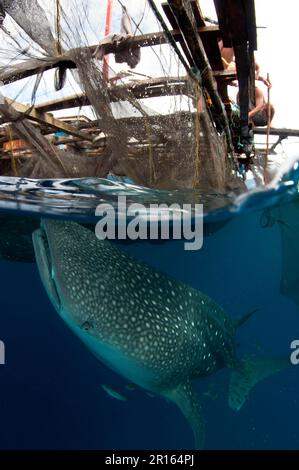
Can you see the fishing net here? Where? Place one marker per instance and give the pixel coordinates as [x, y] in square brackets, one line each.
[68, 112]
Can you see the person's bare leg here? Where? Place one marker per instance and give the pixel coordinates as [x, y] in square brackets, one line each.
[227, 53]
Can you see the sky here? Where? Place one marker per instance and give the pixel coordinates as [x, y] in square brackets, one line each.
[276, 53]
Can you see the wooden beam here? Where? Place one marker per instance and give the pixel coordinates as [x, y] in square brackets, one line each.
[277, 131]
[72, 101]
[225, 75]
[33, 114]
[143, 89]
[27, 68]
[160, 86]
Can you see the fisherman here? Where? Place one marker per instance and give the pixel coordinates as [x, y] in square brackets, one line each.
[261, 112]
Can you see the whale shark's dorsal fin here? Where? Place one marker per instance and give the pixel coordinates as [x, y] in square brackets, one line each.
[185, 398]
[247, 374]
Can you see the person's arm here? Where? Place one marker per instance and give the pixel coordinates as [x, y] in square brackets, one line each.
[265, 81]
[260, 78]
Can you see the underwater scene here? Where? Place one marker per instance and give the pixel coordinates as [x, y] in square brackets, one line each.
[143, 344]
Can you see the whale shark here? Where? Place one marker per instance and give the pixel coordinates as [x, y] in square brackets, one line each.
[155, 331]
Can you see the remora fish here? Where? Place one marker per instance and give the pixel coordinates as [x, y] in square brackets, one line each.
[113, 393]
[155, 331]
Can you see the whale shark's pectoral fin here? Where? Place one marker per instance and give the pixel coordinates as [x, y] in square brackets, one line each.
[185, 398]
[247, 374]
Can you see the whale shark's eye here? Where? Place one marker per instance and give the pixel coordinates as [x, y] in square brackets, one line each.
[87, 326]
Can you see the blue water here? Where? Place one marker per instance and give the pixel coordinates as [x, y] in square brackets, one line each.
[50, 387]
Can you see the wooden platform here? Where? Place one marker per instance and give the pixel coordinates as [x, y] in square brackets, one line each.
[199, 43]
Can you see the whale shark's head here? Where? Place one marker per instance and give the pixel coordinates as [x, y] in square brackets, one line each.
[100, 289]
[56, 250]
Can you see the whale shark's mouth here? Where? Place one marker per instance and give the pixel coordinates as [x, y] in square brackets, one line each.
[44, 261]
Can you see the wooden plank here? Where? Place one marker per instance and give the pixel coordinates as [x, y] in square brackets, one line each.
[277, 131]
[225, 75]
[44, 118]
[149, 88]
[72, 101]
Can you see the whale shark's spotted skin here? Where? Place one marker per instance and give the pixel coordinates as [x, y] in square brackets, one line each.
[154, 330]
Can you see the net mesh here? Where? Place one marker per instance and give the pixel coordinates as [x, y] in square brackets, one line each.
[141, 116]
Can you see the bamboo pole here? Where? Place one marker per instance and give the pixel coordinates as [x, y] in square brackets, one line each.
[107, 32]
[58, 45]
[269, 120]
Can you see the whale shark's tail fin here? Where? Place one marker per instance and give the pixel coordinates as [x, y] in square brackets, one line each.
[247, 374]
[185, 398]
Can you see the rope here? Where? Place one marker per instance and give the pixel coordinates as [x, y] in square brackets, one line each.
[198, 96]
